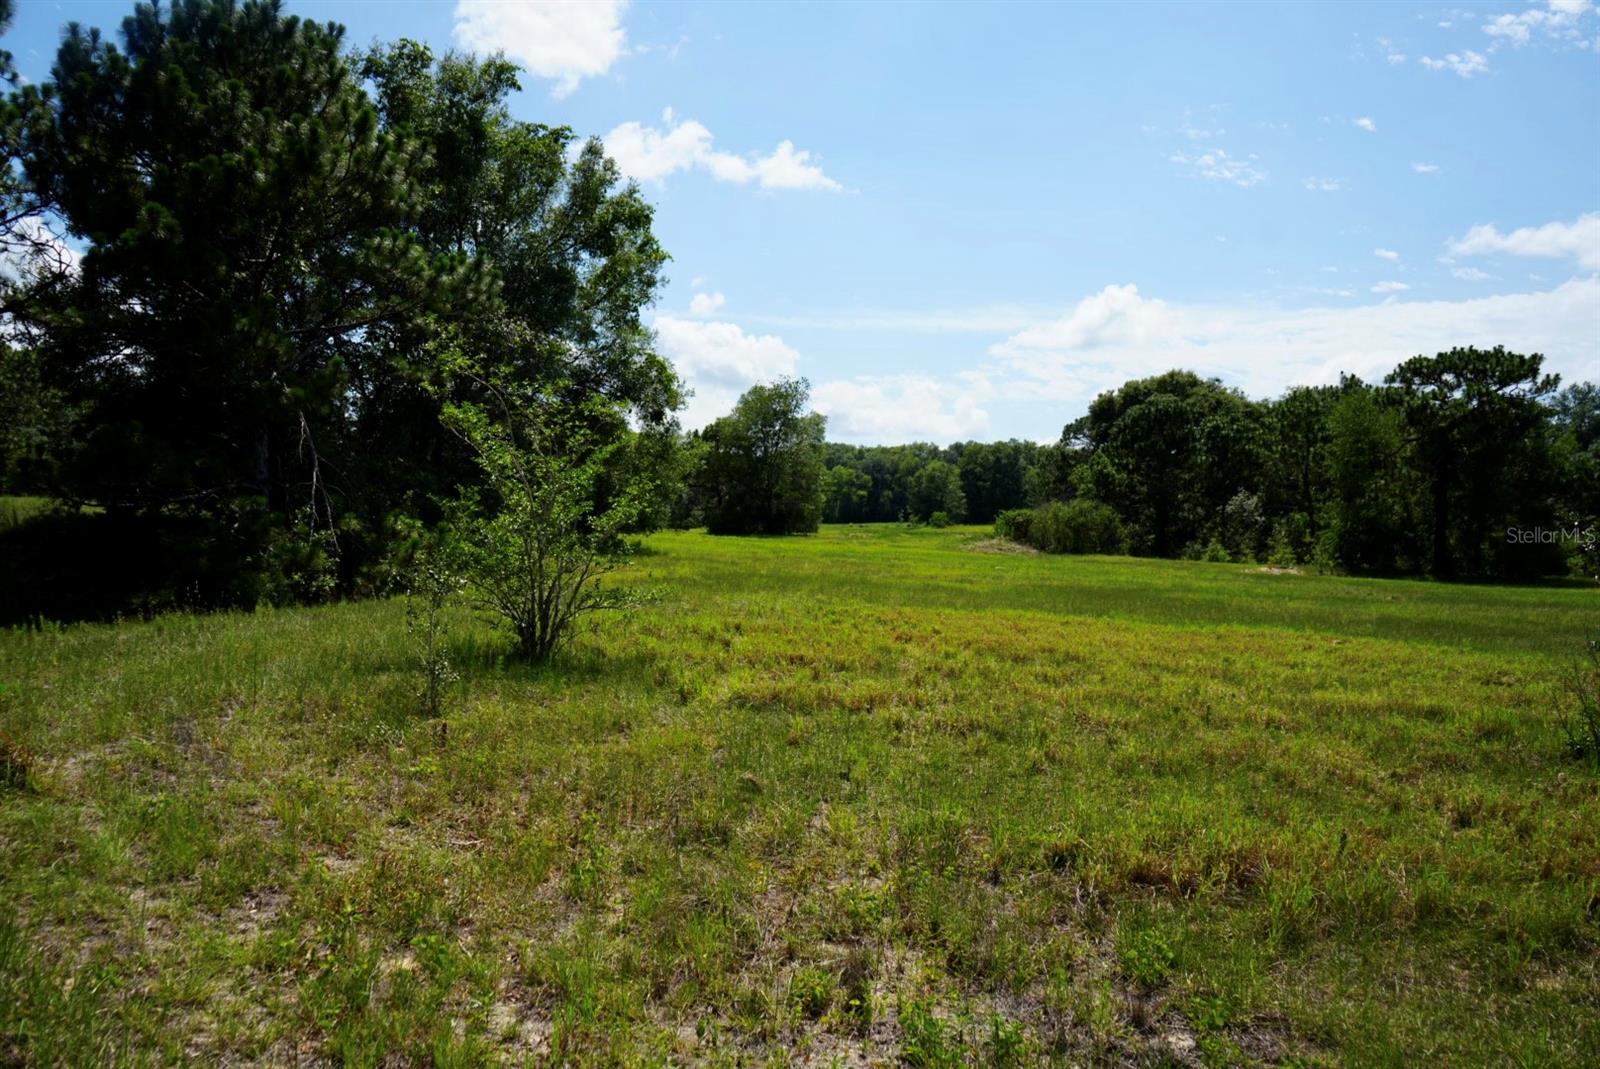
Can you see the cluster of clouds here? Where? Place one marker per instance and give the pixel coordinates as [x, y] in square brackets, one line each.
[1106, 337]
[1119, 333]
[562, 42]
[567, 42]
[1577, 241]
[1560, 22]
[1217, 164]
[650, 154]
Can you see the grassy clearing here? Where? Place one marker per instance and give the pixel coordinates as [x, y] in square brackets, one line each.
[14, 511]
[868, 796]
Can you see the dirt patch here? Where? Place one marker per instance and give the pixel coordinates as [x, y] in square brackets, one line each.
[1004, 546]
[1273, 569]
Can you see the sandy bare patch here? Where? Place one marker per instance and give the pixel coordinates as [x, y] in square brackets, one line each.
[1002, 545]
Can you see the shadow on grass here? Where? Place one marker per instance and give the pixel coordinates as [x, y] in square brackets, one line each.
[479, 657]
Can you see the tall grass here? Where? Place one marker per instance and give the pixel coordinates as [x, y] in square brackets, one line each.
[870, 794]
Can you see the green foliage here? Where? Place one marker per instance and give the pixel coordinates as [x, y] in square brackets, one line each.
[36, 422]
[940, 519]
[1470, 416]
[1015, 524]
[278, 234]
[926, 1042]
[302, 562]
[1582, 725]
[1077, 526]
[762, 472]
[434, 583]
[936, 487]
[1372, 525]
[811, 991]
[1146, 957]
[1164, 452]
[844, 492]
[537, 543]
[246, 219]
[1244, 526]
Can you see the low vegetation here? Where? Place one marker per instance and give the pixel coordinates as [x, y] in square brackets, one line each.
[862, 796]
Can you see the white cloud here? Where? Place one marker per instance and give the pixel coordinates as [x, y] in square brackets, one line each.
[1561, 20]
[564, 42]
[989, 319]
[1263, 350]
[1217, 164]
[904, 408]
[34, 249]
[1471, 274]
[1366, 124]
[1578, 240]
[1466, 63]
[1324, 185]
[1425, 168]
[1117, 315]
[702, 305]
[1386, 254]
[1390, 286]
[650, 154]
[719, 361]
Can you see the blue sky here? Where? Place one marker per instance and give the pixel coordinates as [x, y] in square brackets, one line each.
[964, 221]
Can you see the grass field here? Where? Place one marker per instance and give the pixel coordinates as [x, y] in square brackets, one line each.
[876, 796]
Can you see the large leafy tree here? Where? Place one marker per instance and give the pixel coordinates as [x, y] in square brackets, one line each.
[1168, 453]
[763, 466]
[248, 225]
[569, 244]
[1471, 417]
[994, 477]
[1297, 437]
[1369, 517]
[936, 487]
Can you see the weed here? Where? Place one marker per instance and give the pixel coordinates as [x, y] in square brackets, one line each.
[16, 765]
[1146, 958]
[1582, 724]
[811, 991]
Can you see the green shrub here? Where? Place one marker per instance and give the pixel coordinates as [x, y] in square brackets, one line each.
[1582, 726]
[1216, 552]
[1078, 526]
[939, 519]
[811, 991]
[1015, 524]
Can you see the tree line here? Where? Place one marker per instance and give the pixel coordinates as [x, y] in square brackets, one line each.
[1468, 463]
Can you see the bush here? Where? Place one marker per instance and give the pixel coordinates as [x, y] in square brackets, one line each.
[1582, 726]
[536, 549]
[1216, 553]
[1078, 526]
[1243, 526]
[1015, 524]
[939, 519]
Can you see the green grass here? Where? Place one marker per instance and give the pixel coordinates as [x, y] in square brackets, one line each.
[871, 795]
[15, 511]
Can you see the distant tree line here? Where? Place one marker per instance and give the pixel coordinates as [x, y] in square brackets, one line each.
[1468, 463]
